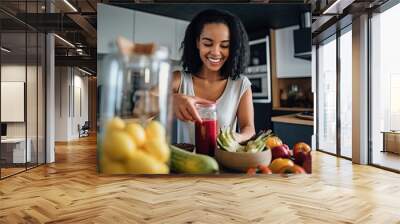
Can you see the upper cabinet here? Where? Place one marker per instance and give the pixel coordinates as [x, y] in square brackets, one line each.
[288, 66]
[140, 27]
[162, 30]
[113, 22]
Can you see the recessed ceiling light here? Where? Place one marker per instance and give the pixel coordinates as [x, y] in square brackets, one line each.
[64, 40]
[337, 7]
[84, 71]
[70, 5]
[5, 50]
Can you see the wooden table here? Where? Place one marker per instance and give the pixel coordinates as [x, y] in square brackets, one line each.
[391, 141]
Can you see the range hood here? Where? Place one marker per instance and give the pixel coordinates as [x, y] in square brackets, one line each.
[302, 38]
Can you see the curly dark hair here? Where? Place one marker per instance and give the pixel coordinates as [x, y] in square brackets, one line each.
[238, 43]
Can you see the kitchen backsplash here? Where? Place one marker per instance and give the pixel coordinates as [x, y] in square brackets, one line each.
[295, 92]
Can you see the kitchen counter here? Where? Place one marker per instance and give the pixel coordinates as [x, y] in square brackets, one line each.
[292, 129]
[292, 119]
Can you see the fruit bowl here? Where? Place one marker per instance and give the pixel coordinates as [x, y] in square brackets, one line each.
[241, 161]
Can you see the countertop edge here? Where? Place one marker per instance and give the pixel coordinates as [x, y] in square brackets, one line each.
[292, 119]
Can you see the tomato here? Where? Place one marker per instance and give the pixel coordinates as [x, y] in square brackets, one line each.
[252, 171]
[264, 169]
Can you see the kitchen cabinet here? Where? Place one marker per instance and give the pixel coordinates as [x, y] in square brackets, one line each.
[287, 66]
[292, 129]
[113, 22]
[162, 30]
[140, 27]
[262, 115]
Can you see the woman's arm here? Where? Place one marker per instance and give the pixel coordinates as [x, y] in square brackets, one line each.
[245, 115]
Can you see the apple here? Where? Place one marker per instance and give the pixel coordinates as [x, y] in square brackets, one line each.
[295, 169]
[301, 147]
[280, 163]
[307, 164]
[299, 158]
[251, 171]
[281, 151]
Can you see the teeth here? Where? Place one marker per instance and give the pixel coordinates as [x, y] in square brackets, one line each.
[214, 60]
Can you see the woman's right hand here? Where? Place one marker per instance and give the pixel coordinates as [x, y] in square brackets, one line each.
[185, 107]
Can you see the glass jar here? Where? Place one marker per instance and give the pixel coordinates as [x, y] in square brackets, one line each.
[135, 112]
[207, 130]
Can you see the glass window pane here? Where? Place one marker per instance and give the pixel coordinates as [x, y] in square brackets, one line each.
[346, 94]
[13, 86]
[327, 96]
[385, 88]
[31, 97]
[41, 98]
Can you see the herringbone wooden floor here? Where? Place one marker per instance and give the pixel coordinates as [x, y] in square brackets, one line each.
[70, 191]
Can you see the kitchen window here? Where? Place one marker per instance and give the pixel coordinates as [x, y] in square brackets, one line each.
[23, 88]
[345, 81]
[334, 94]
[327, 96]
[385, 89]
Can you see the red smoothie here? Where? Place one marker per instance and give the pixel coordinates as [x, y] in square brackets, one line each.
[206, 137]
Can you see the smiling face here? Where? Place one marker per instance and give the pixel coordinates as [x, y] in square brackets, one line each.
[213, 45]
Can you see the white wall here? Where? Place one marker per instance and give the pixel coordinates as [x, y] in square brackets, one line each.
[287, 66]
[67, 115]
[12, 73]
[33, 126]
[61, 103]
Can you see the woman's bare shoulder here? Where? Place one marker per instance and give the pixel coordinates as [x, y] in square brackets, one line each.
[176, 80]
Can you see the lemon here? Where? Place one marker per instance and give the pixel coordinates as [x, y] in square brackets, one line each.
[118, 145]
[137, 133]
[143, 163]
[155, 130]
[111, 167]
[115, 124]
[158, 149]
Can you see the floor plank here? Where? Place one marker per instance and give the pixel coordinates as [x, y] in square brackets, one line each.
[70, 191]
[386, 159]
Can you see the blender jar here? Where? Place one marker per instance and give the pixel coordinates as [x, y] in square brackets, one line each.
[135, 114]
[206, 131]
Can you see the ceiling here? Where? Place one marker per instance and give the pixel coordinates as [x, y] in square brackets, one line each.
[255, 17]
[77, 26]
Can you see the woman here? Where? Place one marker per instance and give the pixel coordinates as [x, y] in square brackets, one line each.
[215, 54]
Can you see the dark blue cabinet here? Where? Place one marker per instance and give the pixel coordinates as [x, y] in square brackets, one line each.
[293, 133]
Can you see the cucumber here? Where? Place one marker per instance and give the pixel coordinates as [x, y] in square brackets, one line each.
[190, 163]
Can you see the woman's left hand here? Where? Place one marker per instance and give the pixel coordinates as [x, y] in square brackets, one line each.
[239, 137]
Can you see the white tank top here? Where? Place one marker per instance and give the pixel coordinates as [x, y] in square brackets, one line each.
[227, 105]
